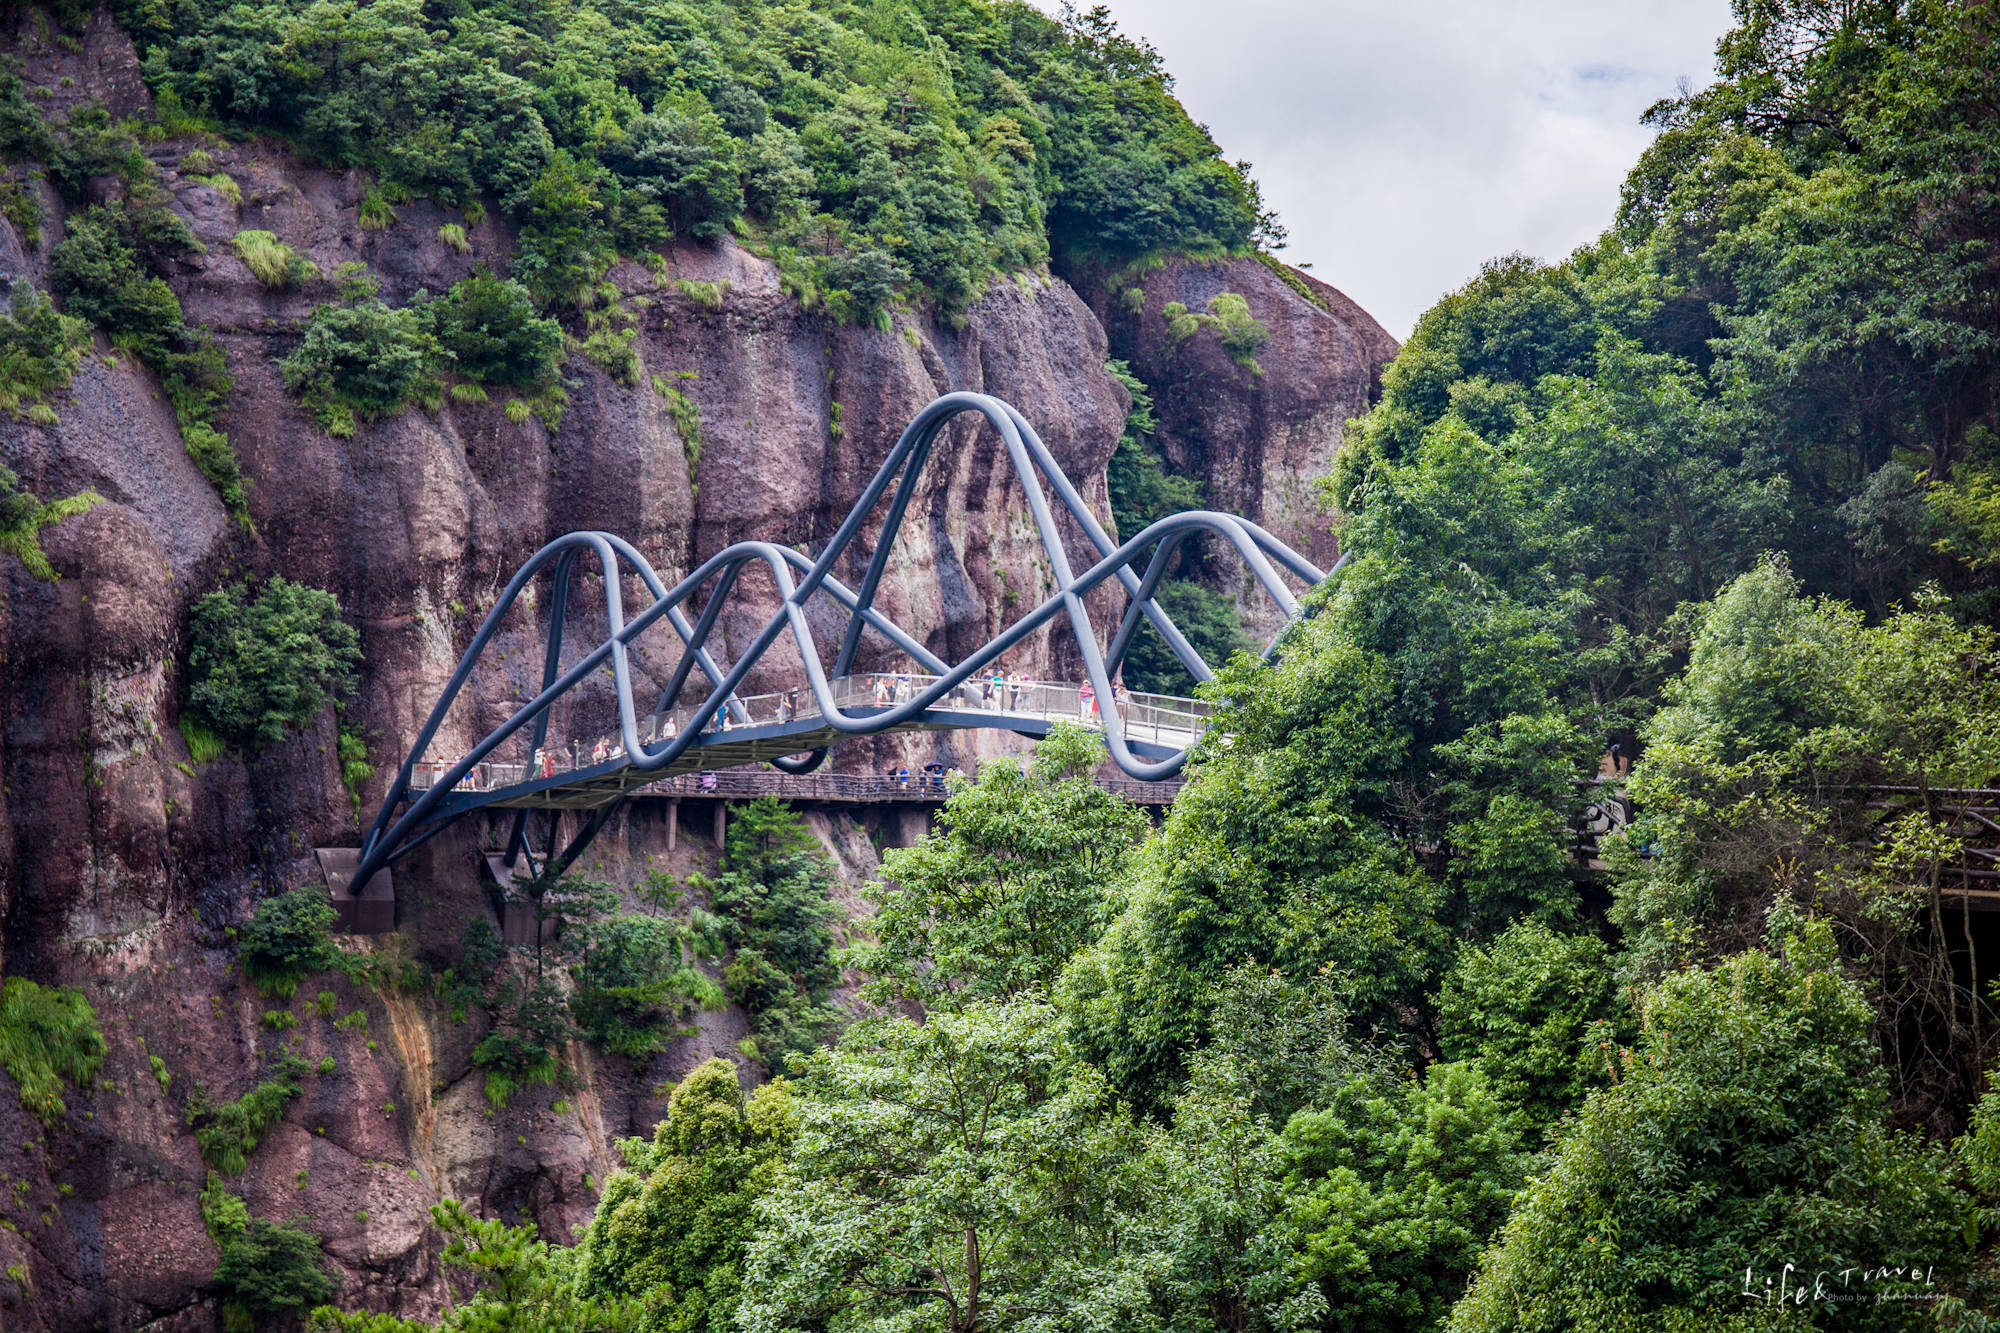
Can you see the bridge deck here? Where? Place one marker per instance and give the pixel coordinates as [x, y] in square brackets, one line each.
[763, 728]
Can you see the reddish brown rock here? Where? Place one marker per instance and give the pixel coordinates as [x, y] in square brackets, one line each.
[1259, 443]
[122, 862]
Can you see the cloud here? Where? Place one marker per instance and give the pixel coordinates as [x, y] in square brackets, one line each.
[1403, 145]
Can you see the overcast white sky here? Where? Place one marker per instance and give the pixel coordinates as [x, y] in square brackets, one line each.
[1404, 143]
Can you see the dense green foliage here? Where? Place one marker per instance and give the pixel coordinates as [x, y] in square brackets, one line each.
[488, 328]
[359, 361]
[40, 350]
[263, 666]
[361, 358]
[1754, 794]
[48, 1036]
[868, 146]
[638, 977]
[671, 1228]
[1013, 883]
[771, 897]
[964, 1164]
[270, 1274]
[1747, 1133]
[288, 939]
[1539, 1013]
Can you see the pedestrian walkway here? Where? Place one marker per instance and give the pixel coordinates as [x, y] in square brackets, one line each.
[581, 773]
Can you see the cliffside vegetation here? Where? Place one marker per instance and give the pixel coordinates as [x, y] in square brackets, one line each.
[262, 665]
[48, 1038]
[873, 149]
[1144, 488]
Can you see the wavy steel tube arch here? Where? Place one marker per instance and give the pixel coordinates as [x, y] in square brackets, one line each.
[391, 836]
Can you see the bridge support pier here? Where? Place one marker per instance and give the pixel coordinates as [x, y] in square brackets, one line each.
[673, 823]
[721, 823]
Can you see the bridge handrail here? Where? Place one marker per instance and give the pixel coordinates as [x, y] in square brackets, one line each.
[1159, 717]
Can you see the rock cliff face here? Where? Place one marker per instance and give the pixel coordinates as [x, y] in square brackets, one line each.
[122, 861]
[1259, 439]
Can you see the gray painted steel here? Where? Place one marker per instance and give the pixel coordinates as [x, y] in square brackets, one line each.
[1138, 565]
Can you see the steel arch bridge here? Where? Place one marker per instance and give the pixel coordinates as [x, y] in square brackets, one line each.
[1148, 737]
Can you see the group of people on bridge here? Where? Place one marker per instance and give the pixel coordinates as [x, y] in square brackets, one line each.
[995, 691]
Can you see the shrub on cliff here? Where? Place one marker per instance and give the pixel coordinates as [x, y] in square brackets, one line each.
[530, 1036]
[23, 516]
[270, 1274]
[273, 263]
[638, 977]
[1229, 317]
[228, 1132]
[288, 939]
[360, 361]
[39, 351]
[265, 665]
[488, 327]
[48, 1035]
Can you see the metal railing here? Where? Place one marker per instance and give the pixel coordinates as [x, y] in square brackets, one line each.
[1164, 719]
[847, 788]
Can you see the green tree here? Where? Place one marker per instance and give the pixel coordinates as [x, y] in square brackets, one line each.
[1213, 1223]
[1746, 1133]
[962, 1173]
[772, 898]
[1539, 1014]
[1394, 1192]
[671, 1229]
[488, 328]
[684, 167]
[1265, 856]
[529, 1041]
[264, 665]
[360, 361]
[1021, 873]
[510, 1280]
[271, 1274]
[1754, 793]
[563, 246]
[637, 978]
